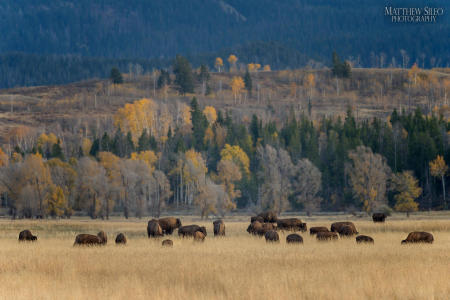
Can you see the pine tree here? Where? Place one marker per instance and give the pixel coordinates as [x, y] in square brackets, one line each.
[248, 83]
[57, 151]
[199, 125]
[116, 76]
[183, 75]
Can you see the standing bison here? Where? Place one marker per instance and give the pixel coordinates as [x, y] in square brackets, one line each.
[315, 230]
[199, 236]
[419, 237]
[90, 239]
[257, 228]
[294, 239]
[326, 236]
[379, 217]
[190, 230]
[347, 230]
[364, 239]
[121, 239]
[219, 228]
[26, 236]
[154, 229]
[292, 224]
[336, 227]
[169, 224]
[272, 236]
[268, 216]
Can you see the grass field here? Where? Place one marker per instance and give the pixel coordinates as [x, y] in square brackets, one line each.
[238, 266]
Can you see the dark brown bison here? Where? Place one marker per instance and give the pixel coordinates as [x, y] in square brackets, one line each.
[26, 236]
[199, 236]
[294, 239]
[325, 236]
[266, 217]
[190, 230]
[167, 243]
[219, 228]
[169, 224]
[121, 239]
[257, 228]
[335, 227]
[272, 236]
[90, 239]
[293, 224]
[364, 239]
[379, 217]
[419, 237]
[315, 230]
[347, 230]
[154, 229]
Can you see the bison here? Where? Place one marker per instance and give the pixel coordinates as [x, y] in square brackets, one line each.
[199, 236]
[379, 217]
[347, 230]
[121, 239]
[335, 227]
[315, 230]
[190, 230]
[324, 236]
[169, 224]
[268, 216]
[294, 239]
[167, 243]
[257, 228]
[26, 236]
[293, 224]
[154, 229]
[419, 237]
[219, 228]
[272, 236]
[364, 239]
[90, 239]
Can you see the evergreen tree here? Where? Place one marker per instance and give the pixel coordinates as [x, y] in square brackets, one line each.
[116, 76]
[57, 151]
[144, 141]
[199, 125]
[248, 83]
[183, 75]
[95, 147]
[105, 143]
[129, 144]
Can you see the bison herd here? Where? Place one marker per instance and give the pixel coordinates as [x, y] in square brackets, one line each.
[265, 224]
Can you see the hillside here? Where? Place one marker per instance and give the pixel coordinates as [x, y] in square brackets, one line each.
[285, 33]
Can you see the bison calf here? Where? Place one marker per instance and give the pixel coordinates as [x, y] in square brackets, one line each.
[199, 236]
[167, 243]
[121, 239]
[272, 236]
[325, 236]
[219, 228]
[26, 236]
[364, 239]
[419, 237]
[294, 239]
[90, 239]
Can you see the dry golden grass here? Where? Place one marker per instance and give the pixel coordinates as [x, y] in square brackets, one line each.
[238, 266]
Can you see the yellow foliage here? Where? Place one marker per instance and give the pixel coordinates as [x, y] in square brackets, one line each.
[3, 158]
[438, 167]
[412, 73]
[310, 80]
[86, 145]
[236, 155]
[149, 157]
[232, 59]
[209, 135]
[267, 68]
[210, 114]
[237, 85]
[218, 63]
[56, 202]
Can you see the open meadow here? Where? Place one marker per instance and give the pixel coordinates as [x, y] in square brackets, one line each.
[238, 266]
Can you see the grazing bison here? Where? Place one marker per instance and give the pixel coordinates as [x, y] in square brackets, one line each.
[315, 230]
[121, 239]
[364, 239]
[294, 239]
[324, 236]
[257, 228]
[293, 224]
[272, 236]
[335, 227]
[268, 216]
[26, 236]
[219, 228]
[379, 217]
[169, 224]
[419, 237]
[190, 230]
[199, 236]
[90, 239]
[154, 229]
[347, 230]
[167, 243]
